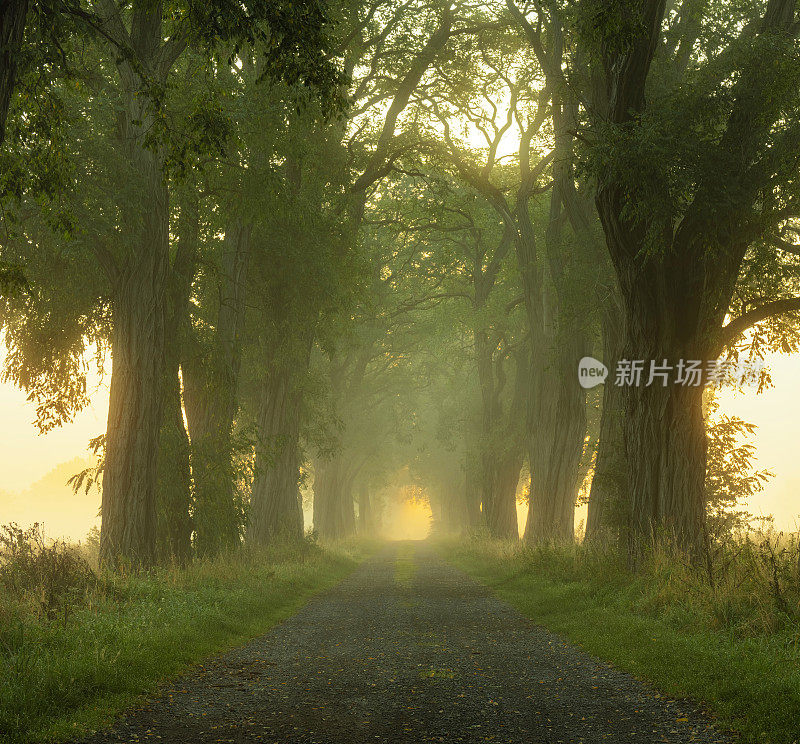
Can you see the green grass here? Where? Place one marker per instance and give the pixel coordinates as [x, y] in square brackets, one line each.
[663, 625]
[63, 676]
[404, 567]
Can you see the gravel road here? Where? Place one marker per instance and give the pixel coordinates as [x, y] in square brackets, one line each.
[408, 649]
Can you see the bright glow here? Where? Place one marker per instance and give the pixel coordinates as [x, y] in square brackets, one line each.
[35, 467]
[776, 413]
[406, 514]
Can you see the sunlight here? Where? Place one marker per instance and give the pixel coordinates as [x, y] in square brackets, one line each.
[353, 263]
[407, 514]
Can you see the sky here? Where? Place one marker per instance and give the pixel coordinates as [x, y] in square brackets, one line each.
[776, 412]
[34, 468]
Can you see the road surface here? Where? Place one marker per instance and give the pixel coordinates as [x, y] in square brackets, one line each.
[409, 650]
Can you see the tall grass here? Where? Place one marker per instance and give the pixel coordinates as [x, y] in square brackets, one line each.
[748, 585]
[725, 630]
[77, 643]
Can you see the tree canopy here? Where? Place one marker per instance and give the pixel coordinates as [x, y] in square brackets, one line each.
[318, 247]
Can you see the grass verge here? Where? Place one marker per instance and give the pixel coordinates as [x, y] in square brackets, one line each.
[404, 567]
[68, 673]
[715, 645]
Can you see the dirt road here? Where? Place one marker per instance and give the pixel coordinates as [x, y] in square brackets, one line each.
[408, 649]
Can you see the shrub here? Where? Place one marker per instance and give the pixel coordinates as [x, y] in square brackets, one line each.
[51, 575]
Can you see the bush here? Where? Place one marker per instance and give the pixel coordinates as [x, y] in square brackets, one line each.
[53, 577]
[76, 644]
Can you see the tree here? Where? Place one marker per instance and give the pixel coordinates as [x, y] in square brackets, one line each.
[465, 258]
[550, 279]
[395, 48]
[694, 156]
[142, 45]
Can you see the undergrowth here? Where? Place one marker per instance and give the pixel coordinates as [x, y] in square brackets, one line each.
[725, 630]
[78, 643]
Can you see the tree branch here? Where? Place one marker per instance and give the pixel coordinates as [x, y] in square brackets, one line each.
[785, 245]
[733, 330]
[406, 87]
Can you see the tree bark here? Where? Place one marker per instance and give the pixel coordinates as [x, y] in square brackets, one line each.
[609, 510]
[128, 530]
[557, 409]
[456, 508]
[501, 508]
[474, 516]
[174, 469]
[558, 430]
[504, 455]
[13, 15]
[499, 455]
[334, 513]
[211, 383]
[460, 512]
[367, 524]
[664, 433]
[174, 530]
[275, 507]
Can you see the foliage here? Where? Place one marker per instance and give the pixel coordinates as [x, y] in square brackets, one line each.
[62, 674]
[730, 476]
[733, 644]
[294, 38]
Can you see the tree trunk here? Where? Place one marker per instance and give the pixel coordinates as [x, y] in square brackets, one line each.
[128, 530]
[211, 391]
[458, 515]
[455, 509]
[558, 430]
[501, 508]
[217, 514]
[13, 15]
[174, 532]
[472, 489]
[674, 306]
[501, 449]
[665, 437]
[174, 472]
[275, 507]
[334, 515]
[366, 516]
[558, 404]
[138, 275]
[609, 510]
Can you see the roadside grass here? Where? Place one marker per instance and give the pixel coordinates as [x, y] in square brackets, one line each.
[404, 567]
[68, 666]
[731, 642]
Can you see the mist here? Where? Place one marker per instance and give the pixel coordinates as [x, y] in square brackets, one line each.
[380, 371]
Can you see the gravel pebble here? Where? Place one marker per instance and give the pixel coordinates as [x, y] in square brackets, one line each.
[432, 657]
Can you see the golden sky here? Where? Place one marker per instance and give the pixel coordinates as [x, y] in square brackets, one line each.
[34, 468]
[776, 412]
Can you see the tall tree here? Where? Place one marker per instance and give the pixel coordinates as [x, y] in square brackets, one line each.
[139, 274]
[694, 154]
